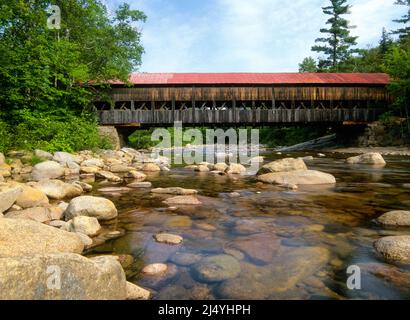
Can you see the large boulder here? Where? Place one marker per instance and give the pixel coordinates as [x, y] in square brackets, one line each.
[19, 237]
[174, 191]
[216, 268]
[284, 165]
[56, 189]
[368, 158]
[100, 208]
[39, 214]
[395, 218]
[47, 170]
[395, 248]
[63, 276]
[304, 177]
[8, 196]
[135, 292]
[85, 225]
[31, 197]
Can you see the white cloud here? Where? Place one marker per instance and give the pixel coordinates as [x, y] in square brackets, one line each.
[246, 35]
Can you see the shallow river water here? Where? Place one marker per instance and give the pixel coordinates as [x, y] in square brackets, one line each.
[274, 243]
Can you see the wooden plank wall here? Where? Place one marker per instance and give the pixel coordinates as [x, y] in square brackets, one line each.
[238, 116]
[263, 93]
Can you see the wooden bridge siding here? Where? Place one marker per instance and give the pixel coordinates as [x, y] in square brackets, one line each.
[238, 116]
[266, 93]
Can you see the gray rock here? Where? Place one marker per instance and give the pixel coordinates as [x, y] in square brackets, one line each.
[26, 237]
[93, 163]
[168, 238]
[174, 191]
[216, 268]
[100, 208]
[63, 276]
[43, 154]
[368, 158]
[182, 200]
[283, 165]
[395, 248]
[47, 170]
[85, 225]
[306, 177]
[65, 158]
[395, 218]
[135, 292]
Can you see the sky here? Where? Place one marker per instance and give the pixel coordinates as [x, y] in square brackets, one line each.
[245, 35]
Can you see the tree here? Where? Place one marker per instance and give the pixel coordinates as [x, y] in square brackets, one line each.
[337, 46]
[308, 65]
[404, 32]
[385, 42]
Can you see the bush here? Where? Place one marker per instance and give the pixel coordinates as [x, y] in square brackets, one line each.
[53, 133]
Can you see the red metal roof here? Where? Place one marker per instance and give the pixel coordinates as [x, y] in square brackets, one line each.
[256, 78]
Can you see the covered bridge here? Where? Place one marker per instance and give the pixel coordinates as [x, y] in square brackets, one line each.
[159, 99]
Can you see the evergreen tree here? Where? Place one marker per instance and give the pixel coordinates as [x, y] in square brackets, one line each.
[337, 45]
[385, 42]
[404, 33]
[308, 65]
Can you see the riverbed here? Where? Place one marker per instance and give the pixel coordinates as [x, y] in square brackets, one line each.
[282, 244]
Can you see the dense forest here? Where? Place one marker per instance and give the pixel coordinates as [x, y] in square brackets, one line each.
[46, 70]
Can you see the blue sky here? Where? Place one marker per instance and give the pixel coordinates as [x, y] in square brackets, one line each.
[245, 35]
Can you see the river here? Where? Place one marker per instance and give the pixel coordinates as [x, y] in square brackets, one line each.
[283, 244]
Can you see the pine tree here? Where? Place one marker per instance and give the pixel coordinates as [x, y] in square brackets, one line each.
[308, 65]
[385, 42]
[337, 46]
[404, 33]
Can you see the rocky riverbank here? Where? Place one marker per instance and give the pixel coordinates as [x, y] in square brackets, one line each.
[50, 217]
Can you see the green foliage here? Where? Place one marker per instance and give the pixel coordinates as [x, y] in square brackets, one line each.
[54, 133]
[336, 46]
[403, 32]
[308, 65]
[35, 160]
[5, 137]
[141, 139]
[45, 73]
[274, 137]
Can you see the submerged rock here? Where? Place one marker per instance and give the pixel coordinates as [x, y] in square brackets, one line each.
[287, 270]
[185, 259]
[26, 237]
[283, 165]
[100, 208]
[395, 248]
[216, 268]
[28, 278]
[174, 191]
[306, 177]
[168, 238]
[155, 269]
[395, 218]
[368, 158]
